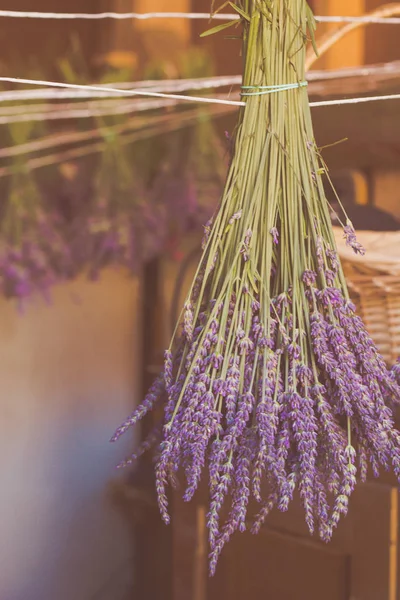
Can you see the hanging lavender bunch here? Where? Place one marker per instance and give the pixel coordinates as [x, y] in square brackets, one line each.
[192, 172]
[34, 255]
[271, 384]
[112, 231]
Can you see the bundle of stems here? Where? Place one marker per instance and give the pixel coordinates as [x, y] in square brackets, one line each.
[271, 382]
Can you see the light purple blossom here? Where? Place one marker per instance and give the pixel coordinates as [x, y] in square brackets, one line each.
[351, 239]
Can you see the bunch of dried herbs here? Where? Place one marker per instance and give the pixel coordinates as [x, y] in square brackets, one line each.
[271, 383]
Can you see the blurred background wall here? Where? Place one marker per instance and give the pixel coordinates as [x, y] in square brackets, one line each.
[69, 374]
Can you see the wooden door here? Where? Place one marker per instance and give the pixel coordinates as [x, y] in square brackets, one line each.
[284, 563]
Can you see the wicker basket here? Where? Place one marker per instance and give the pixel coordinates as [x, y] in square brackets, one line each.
[374, 285]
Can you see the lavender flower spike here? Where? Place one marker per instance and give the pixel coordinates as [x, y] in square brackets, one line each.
[154, 395]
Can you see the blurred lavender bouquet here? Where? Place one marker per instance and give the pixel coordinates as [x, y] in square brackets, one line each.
[146, 183]
[34, 255]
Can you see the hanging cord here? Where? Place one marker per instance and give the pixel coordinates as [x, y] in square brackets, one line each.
[200, 99]
[17, 14]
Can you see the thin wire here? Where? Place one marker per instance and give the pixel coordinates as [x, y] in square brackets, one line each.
[74, 137]
[95, 88]
[80, 151]
[366, 19]
[87, 112]
[122, 108]
[354, 100]
[173, 85]
[201, 99]
[143, 105]
[114, 15]
[390, 68]
[179, 15]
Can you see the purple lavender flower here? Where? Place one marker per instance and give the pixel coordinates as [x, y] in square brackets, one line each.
[304, 425]
[275, 235]
[351, 239]
[333, 259]
[309, 278]
[188, 321]
[154, 395]
[267, 420]
[395, 371]
[263, 514]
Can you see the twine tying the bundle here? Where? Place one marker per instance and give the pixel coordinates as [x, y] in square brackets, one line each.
[261, 90]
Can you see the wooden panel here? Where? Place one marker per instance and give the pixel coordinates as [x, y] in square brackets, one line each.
[280, 566]
[375, 144]
[190, 551]
[370, 556]
[293, 523]
[283, 562]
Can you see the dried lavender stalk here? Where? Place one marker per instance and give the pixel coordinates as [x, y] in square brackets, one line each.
[273, 384]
